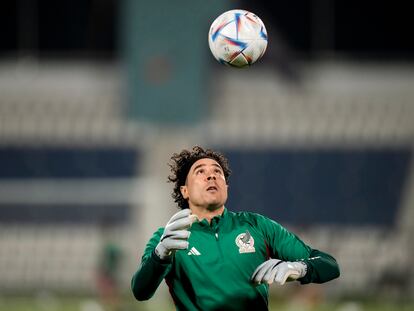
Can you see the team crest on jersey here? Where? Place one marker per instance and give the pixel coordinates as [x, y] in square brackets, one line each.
[245, 242]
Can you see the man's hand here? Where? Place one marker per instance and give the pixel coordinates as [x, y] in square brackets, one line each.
[175, 234]
[275, 270]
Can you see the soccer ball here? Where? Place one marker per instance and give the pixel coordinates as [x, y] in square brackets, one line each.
[237, 38]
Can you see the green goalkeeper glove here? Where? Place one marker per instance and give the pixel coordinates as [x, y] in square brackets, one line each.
[175, 234]
[278, 271]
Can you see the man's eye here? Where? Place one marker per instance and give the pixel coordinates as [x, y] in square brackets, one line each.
[200, 171]
[218, 171]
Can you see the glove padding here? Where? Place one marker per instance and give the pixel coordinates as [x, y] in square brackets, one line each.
[175, 234]
[278, 271]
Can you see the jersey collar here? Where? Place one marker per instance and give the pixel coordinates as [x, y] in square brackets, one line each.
[216, 221]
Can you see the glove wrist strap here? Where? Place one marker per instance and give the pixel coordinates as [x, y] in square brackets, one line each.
[304, 269]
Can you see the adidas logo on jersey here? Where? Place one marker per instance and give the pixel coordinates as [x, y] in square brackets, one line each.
[193, 251]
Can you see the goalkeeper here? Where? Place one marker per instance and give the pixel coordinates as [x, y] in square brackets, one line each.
[215, 259]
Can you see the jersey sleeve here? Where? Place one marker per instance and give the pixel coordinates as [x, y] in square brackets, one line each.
[322, 267]
[151, 272]
[284, 245]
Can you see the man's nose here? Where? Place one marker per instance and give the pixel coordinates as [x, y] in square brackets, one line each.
[211, 177]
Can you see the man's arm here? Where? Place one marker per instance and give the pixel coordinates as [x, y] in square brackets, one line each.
[159, 253]
[151, 272]
[309, 265]
[321, 267]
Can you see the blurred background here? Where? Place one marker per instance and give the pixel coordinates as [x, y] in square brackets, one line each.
[95, 96]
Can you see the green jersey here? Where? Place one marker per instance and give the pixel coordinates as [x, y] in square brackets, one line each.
[214, 272]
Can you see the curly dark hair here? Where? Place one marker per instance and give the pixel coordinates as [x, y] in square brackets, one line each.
[180, 166]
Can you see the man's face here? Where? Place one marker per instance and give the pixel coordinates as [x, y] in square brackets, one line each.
[205, 185]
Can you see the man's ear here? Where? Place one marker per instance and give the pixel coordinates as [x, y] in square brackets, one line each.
[184, 192]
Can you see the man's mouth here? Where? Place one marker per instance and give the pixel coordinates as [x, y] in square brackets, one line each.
[212, 188]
